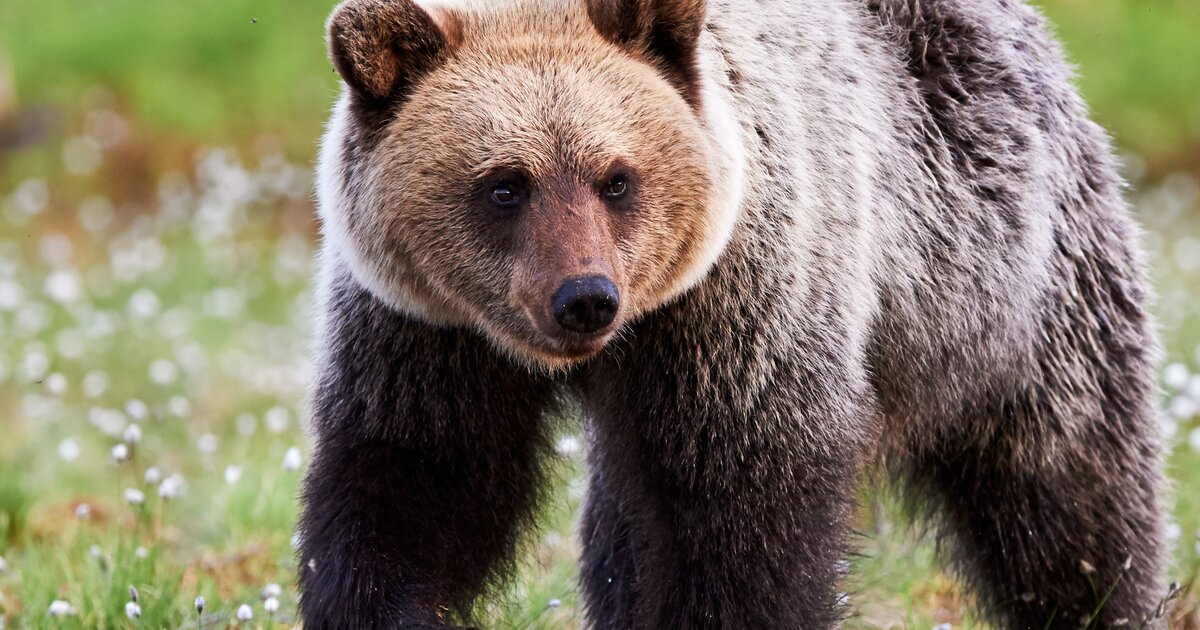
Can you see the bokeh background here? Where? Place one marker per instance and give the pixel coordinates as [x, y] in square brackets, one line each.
[156, 233]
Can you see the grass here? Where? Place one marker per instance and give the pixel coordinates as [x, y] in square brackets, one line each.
[225, 70]
[148, 279]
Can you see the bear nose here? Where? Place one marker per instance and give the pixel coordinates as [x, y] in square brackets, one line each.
[585, 305]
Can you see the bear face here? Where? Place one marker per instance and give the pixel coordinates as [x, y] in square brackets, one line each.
[542, 173]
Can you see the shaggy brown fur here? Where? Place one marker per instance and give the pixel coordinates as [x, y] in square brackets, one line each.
[849, 232]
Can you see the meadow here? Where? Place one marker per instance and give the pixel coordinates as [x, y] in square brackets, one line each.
[156, 236]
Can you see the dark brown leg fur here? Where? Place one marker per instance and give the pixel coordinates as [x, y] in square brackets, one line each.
[609, 570]
[724, 466]
[426, 465]
[1049, 493]
[1022, 538]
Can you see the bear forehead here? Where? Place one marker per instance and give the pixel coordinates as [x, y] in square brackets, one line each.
[540, 94]
[515, 17]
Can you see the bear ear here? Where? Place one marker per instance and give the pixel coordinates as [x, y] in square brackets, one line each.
[664, 31]
[381, 47]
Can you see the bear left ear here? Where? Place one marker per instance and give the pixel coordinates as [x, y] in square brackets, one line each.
[664, 31]
[381, 47]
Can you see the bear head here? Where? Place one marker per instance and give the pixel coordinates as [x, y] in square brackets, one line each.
[544, 171]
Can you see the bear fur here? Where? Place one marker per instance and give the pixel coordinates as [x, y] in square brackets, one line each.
[838, 236]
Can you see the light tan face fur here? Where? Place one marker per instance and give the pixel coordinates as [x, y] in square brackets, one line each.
[535, 100]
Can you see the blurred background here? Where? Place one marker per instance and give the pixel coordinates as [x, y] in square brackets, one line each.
[156, 231]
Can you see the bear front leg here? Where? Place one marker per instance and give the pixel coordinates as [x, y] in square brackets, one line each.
[607, 568]
[426, 465]
[724, 471]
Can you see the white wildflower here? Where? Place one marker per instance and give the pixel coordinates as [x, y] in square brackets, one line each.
[143, 304]
[110, 421]
[31, 196]
[101, 325]
[1183, 407]
[82, 511]
[106, 127]
[554, 603]
[34, 364]
[271, 605]
[207, 444]
[1168, 427]
[153, 476]
[69, 450]
[63, 286]
[95, 383]
[1187, 253]
[244, 613]
[199, 604]
[11, 295]
[120, 452]
[276, 419]
[163, 372]
[233, 474]
[132, 434]
[81, 155]
[141, 553]
[56, 384]
[175, 323]
[224, 302]
[271, 590]
[943, 626]
[60, 608]
[133, 496]
[95, 213]
[179, 406]
[568, 446]
[132, 610]
[55, 248]
[291, 459]
[171, 487]
[137, 409]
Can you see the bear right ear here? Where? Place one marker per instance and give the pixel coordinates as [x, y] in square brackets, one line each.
[665, 32]
[381, 47]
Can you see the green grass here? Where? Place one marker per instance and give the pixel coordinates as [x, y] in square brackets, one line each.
[222, 241]
[1139, 67]
[217, 69]
[227, 70]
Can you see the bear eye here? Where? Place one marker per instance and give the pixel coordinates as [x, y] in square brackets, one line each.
[505, 194]
[616, 187]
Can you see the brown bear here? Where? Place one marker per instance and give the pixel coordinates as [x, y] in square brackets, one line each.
[768, 248]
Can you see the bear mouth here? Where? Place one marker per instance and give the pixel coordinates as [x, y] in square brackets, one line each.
[556, 351]
[545, 342]
[570, 349]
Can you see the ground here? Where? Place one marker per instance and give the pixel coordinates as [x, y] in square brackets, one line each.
[156, 234]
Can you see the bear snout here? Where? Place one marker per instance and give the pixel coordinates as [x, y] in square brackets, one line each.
[585, 305]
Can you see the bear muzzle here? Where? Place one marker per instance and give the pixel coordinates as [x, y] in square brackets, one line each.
[585, 305]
